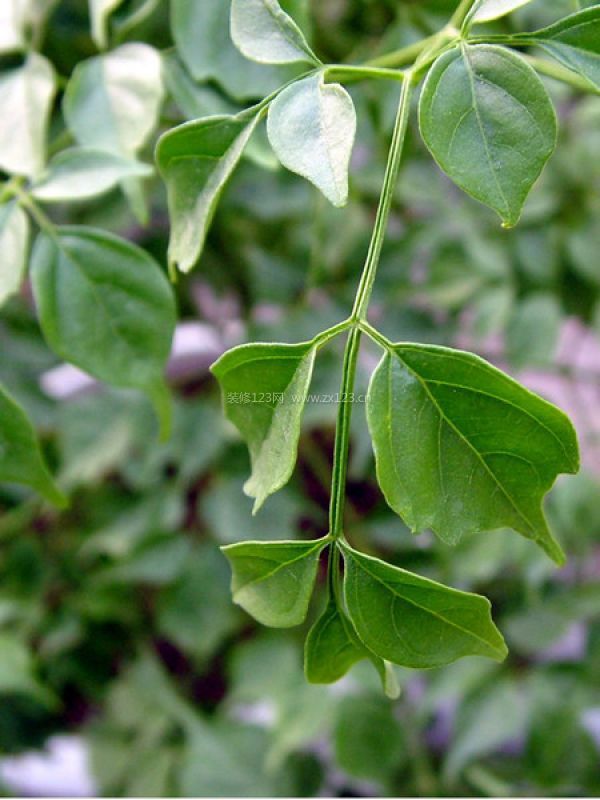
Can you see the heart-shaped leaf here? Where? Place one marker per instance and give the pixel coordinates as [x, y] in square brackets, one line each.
[311, 127]
[264, 389]
[460, 447]
[20, 456]
[273, 581]
[489, 123]
[413, 621]
[196, 160]
[263, 32]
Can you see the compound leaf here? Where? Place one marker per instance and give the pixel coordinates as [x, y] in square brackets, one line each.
[263, 32]
[575, 42]
[488, 121]
[112, 101]
[311, 127]
[21, 460]
[460, 447]
[105, 306]
[26, 96]
[414, 621]
[196, 159]
[487, 10]
[82, 172]
[14, 242]
[273, 581]
[264, 390]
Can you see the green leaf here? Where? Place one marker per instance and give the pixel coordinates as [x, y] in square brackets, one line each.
[460, 447]
[82, 172]
[533, 330]
[264, 388]
[331, 647]
[201, 31]
[12, 25]
[575, 42]
[21, 459]
[487, 10]
[273, 581]
[14, 245]
[489, 123]
[113, 101]
[26, 96]
[263, 32]
[104, 305]
[414, 621]
[196, 160]
[100, 11]
[311, 127]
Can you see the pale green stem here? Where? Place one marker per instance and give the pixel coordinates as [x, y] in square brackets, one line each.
[348, 72]
[403, 56]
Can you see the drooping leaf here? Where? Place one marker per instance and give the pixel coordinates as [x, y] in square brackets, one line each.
[201, 31]
[487, 10]
[100, 11]
[264, 388]
[82, 172]
[21, 460]
[26, 96]
[196, 160]
[575, 42]
[104, 305]
[460, 447]
[414, 621]
[311, 126]
[112, 101]
[14, 243]
[489, 123]
[273, 581]
[331, 647]
[263, 32]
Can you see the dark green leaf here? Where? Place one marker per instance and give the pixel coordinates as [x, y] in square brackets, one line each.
[311, 127]
[104, 305]
[264, 388]
[273, 581]
[489, 123]
[196, 159]
[414, 621]
[26, 96]
[575, 42]
[263, 32]
[461, 447]
[331, 647]
[21, 460]
[14, 243]
[82, 172]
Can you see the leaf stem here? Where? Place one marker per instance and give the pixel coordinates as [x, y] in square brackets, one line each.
[462, 12]
[403, 56]
[365, 287]
[349, 72]
[26, 201]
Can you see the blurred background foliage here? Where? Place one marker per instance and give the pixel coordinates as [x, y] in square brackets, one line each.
[116, 622]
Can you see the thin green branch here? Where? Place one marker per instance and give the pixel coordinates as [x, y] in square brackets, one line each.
[347, 72]
[403, 56]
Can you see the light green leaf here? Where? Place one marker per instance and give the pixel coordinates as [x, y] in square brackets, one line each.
[100, 11]
[414, 621]
[196, 160]
[311, 127]
[113, 101]
[21, 460]
[264, 388]
[26, 96]
[14, 244]
[273, 581]
[489, 123]
[487, 10]
[104, 305]
[331, 647]
[263, 32]
[12, 25]
[575, 42]
[82, 172]
[460, 447]
[201, 31]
